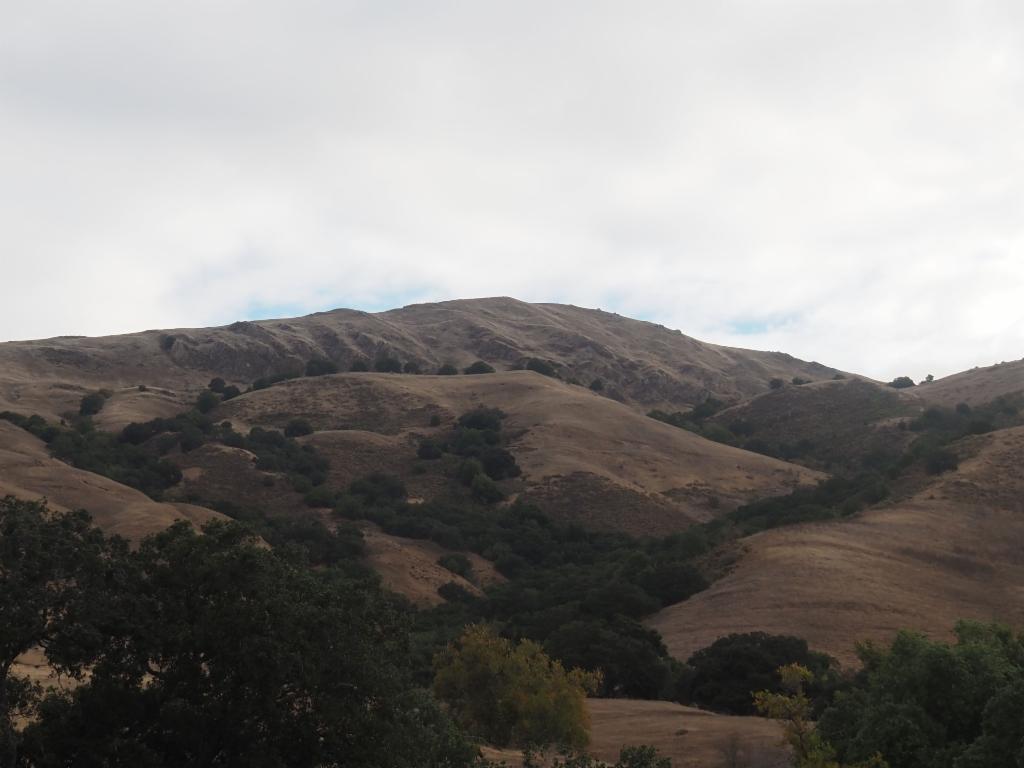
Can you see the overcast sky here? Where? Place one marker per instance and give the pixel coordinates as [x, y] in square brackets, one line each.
[839, 179]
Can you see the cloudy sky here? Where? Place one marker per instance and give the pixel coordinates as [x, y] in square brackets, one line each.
[839, 179]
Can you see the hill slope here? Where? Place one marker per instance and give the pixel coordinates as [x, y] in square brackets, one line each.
[951, 551]
[638, 361]
[635, 473]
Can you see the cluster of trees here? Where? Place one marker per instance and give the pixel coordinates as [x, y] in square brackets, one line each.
[203, 650]
[928, 704]
[477, 440]
[578, 593]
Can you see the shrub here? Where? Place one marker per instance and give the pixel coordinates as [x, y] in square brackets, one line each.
[797, 381]
[902, 382]
[321, 367]
[321, 496]
[484, 490]
[430, 450]
[378, 488]
[435, 420]
[230, 392]
[457, 563]
[447, 370]
[166, 342]
[411, 367]
[469, 470]
[216, 385]
[207, 401]
[513, 693]
[359, 366]
[940, 460]
[92, 404]
[387, 365]
[477, 368]
[543, 367]
[482, 418]
[597, 385]
[298, 428]
[776, 383]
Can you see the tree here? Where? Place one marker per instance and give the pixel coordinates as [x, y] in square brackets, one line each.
[543, 367]
[230, 392]
[387, 364]
[793, 708]
[597, 385]
[513, 693]
[359, 366]
[52, 570]
[478, 367]
[319, 366]
[298, 428]
[901, 382]
[776, 383]
[207, 401]
[231, 654]
[447, 370]
[429, 449]
[92, 404]
[216, 385]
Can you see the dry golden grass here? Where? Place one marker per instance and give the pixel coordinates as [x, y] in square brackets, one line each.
[954, 550]
[976, 386]
[561, 432]
[409, 567]
[692, 738]
[27, 471]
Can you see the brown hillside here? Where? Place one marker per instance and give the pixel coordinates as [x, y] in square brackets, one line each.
[976, 386]
[829, 425]
[27, 471]
[954, 550]
[660, 478]
[638, 361]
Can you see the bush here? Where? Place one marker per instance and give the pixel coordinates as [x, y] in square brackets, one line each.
[484, 490]
[469, 470]
[435, 420]
[776, 383]
[321, 496]
[457, 563]
[359, 366]
[411, 367]
[216, 385]
[477, 368]
[298, 428]
[447, 370]
[92, 404]
[230, 392]
[207, 401]
[166, 342]
[727, 671]
[597, 385]
[797, 381]
[543, 367]
[387, 365]
[940, 460]
[429, 450]
[379, 488]
[321, 367]
[513, 693]
[902, 382]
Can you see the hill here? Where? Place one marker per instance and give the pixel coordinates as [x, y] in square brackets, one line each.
[636, 361]
[950, 551]
[593, 460]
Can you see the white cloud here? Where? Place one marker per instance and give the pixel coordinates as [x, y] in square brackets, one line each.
[840, 180]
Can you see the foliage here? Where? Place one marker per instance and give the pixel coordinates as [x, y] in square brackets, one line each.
[513, 693]
[51, 565]
[207, 401]
[359, 366]
[776, 383]
[216, 384]
[266, 381]
[298, 428]
[725, 672]
[925, 703]
[92, 404]
[320, 366]
[429, 450]
[597, 385]
[457, 563]
[447, 369]
[798, 381]
[641, 756]
[387, 364]
[478, 367]
[902, 382]
[543, 367]
[226, 653]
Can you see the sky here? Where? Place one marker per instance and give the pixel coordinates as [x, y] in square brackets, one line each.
[842, 180]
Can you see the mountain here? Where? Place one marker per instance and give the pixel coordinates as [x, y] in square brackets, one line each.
[638, 362]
